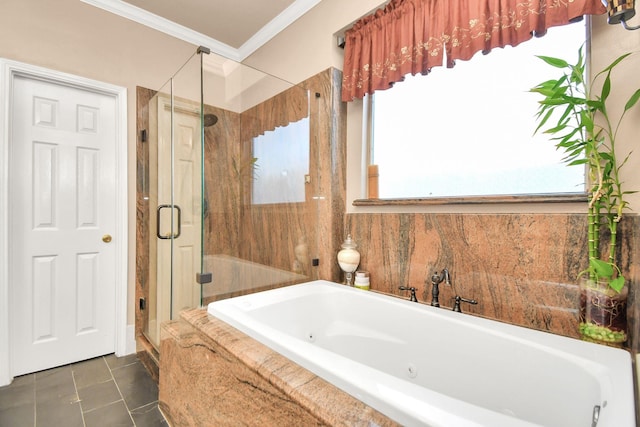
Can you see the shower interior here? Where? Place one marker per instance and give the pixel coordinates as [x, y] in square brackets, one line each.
[228, 199]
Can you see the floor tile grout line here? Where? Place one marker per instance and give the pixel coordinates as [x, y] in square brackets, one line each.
[120, 392]
[35, 403]
[75, 386]
[76, 372]
[35, 400]
[98, 383]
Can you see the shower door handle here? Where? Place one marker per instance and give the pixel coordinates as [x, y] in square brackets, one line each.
[169, 236]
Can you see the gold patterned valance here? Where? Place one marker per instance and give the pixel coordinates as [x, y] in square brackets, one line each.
[411, 36]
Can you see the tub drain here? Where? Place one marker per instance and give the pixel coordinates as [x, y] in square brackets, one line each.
[311, 337]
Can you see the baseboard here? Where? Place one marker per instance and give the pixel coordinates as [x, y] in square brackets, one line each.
[130, 340]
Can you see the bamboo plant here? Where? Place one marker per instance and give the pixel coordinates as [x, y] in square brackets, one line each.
[575, 113]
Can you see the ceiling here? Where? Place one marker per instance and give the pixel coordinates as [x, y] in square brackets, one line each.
[233, 29]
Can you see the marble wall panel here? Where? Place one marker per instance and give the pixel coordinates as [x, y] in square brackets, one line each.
[271, 234]
[221, 203]
[204, 385]
[521, 268]
[212, 374]
[143, 96]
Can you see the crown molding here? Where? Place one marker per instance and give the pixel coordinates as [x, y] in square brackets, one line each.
[266, 33]
[218, 65]
[276, 25]
[161, 24]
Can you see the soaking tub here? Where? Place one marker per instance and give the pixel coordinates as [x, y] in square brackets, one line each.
[421, 365]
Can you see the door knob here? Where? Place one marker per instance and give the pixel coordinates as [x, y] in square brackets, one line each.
[106, 238]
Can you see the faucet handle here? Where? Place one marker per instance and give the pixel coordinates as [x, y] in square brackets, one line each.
[446, 276]
[412, 290]
[459, 299]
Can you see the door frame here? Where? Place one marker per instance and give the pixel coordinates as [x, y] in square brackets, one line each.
[9, 70]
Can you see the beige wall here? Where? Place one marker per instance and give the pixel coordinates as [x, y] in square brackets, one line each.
[73, 37]
[608, 43]
[308, 46]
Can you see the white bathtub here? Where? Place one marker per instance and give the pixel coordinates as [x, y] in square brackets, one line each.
[421, 365]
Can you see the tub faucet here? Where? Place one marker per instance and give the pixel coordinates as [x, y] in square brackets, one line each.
[436, 279]
[413, 293]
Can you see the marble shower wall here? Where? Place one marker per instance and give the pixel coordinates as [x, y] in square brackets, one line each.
[143, 96]
[521, 268]
[222, 201]
[270, 234]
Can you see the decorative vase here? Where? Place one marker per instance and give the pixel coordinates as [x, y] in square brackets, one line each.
[348, 259]
[603, 313]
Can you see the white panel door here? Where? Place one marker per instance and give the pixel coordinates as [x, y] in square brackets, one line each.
[62, 179]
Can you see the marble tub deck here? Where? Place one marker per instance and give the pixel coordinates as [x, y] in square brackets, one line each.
[213, 374]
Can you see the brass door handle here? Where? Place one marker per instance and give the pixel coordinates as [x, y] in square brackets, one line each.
[106, 238]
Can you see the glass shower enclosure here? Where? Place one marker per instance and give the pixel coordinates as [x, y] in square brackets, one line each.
[226, 204]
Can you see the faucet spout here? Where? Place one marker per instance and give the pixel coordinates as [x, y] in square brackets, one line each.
[436, 279]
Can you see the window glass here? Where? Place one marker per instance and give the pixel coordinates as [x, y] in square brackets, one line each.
[468, 130]
[281, 163]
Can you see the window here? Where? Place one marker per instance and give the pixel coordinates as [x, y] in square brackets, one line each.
[282, 161]
[468, 130]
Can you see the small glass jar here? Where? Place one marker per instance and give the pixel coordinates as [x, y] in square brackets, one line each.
[362, 280]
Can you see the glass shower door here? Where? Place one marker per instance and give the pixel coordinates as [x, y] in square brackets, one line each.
[232, 188]
[174, 197]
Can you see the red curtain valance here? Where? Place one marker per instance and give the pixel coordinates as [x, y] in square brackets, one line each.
[411, 36]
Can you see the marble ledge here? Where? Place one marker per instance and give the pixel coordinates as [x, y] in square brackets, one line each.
[324, 401]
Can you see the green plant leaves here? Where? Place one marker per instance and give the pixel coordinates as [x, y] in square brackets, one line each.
[606, 88]
[578, 122]
[605, 271]
[602, 268]
[556, 62]
[632, 101]
[617, 284]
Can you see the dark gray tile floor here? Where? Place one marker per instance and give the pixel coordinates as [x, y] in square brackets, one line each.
[105, 391]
